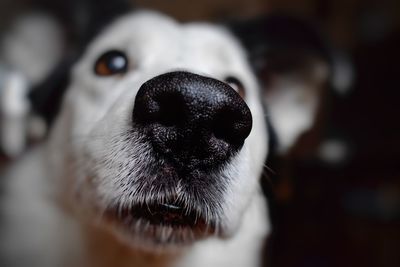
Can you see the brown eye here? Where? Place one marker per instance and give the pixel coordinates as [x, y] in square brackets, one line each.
[110, 63]
[237, 85]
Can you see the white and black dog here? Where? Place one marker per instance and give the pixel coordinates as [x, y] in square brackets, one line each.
[155, 157]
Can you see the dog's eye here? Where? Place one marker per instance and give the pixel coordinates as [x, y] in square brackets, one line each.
[236, 84]
[110, 63]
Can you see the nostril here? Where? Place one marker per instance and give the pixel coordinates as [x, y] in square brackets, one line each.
[167, 108]
[172, 109]
[146, 109]
[232, 125]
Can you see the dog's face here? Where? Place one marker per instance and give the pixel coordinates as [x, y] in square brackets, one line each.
[165, 131]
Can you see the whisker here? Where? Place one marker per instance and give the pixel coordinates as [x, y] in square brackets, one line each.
[266, 167]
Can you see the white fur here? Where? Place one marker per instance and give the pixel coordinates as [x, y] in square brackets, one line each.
[29, 50]
[14, 108]
[57, 193]
[292, 106]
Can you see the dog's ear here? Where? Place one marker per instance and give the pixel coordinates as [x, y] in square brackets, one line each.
[294, 64]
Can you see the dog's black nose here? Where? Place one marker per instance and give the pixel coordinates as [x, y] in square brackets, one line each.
[191, 120]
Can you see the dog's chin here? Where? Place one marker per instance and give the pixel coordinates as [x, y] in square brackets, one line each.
[160, 226]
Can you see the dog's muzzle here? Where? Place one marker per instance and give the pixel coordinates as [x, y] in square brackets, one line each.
[193, 122]
[193, 125]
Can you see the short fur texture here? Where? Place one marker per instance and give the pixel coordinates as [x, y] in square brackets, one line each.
[58, 195]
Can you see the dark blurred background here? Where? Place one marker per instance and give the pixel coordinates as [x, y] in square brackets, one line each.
[338, 190]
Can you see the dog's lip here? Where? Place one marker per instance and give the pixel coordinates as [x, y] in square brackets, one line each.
[168, 214]
[171, 206]
[160, 214]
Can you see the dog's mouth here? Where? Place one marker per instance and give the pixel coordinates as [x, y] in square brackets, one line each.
[163, 214]
[162, 222]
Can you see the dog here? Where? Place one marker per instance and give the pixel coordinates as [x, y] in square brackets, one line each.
[155, 158]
